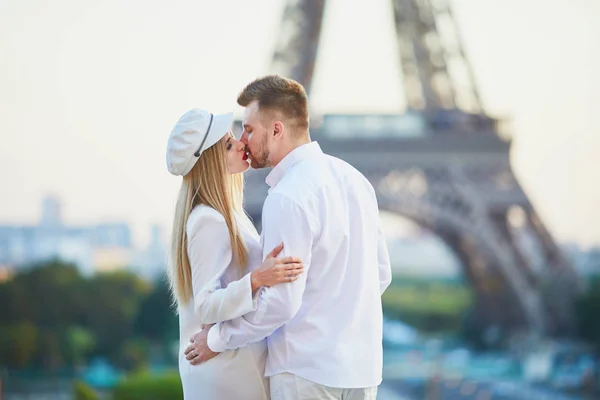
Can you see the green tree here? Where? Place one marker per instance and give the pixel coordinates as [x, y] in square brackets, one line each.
[81, 391]
[78, 343]
[134, 354]
[51, 294]
[45, 296]
[54, 317]
[157, 320]
[145, 386]
[112, 305]
[18, 343]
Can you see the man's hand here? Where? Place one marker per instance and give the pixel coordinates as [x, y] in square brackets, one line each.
[198, 351]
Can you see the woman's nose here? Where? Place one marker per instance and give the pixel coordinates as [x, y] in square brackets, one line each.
[239, 146]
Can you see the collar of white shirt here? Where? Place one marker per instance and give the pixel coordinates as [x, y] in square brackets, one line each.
[298, 154]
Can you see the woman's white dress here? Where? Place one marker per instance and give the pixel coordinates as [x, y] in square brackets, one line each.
[221, 292]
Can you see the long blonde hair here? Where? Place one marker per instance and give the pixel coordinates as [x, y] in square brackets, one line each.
[209, 183]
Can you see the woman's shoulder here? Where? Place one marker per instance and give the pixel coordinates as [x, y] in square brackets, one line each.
[201, 215]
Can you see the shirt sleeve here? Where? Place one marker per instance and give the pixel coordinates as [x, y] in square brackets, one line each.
[283, 221]
[210, 254]
[383, 259]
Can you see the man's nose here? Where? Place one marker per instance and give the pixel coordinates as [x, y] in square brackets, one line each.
[244, 138]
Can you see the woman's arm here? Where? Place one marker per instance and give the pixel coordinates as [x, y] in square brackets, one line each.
[209, 251]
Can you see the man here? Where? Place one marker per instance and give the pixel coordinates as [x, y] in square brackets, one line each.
[325, 329]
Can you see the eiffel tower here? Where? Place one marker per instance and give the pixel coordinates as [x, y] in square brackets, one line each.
[443, 164]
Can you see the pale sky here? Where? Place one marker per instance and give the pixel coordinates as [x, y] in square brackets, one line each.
[89, 91]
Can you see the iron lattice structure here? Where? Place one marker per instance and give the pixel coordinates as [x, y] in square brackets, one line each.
[454, 177]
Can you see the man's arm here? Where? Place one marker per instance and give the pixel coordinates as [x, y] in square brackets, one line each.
[283, 221]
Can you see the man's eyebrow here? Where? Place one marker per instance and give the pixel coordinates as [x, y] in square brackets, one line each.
[246, 126]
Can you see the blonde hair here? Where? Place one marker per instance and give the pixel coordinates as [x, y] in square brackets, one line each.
[209, 183]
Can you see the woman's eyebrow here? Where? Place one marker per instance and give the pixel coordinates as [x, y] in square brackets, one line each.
[228, 139]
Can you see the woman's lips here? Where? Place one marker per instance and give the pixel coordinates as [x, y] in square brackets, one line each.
[245, 156]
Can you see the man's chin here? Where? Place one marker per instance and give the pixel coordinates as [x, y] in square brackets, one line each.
[256, 165]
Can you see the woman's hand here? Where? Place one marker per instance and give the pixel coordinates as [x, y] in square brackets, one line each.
[276, 270]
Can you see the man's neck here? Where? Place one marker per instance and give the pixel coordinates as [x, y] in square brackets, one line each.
[288, 149]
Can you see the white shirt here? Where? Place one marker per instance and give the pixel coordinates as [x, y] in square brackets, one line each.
[221, 290]
[327, 325]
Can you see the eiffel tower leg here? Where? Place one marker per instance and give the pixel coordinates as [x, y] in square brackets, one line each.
[298, 40]
[446, 199]
[496, 305]
[553, 256]
[559, 277]
[501, 255]
[501, 223]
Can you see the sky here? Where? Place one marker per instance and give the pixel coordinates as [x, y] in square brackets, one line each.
[89, 91]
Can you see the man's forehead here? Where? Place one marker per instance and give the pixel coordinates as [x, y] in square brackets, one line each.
[250, 114]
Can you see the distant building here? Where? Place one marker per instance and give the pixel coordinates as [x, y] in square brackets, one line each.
[92, 248]
[51, 212]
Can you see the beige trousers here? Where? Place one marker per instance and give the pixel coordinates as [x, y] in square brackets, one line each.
[287, 386]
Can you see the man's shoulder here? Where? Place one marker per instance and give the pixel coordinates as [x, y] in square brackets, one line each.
[313, 173]
[331, 167]
[293, 190]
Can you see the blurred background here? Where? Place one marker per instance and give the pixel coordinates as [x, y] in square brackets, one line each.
[475, 120]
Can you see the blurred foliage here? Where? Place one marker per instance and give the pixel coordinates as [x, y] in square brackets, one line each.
[81, 391]
[79, 342]
[18, 342]
[587, 311]
[56, 318]
[148, 386]
[155, 317]
[433, 306]
[133, 353]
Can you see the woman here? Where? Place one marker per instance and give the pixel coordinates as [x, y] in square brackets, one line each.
[214, 245]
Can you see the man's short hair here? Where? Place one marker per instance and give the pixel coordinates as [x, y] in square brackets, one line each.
[275, 93]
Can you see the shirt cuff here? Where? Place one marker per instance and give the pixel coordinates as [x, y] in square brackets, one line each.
[250, 303]
[213, 341]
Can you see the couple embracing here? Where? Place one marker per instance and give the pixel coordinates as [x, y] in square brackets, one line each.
[294, 313]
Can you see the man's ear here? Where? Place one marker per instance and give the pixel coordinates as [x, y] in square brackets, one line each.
[278, 128]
